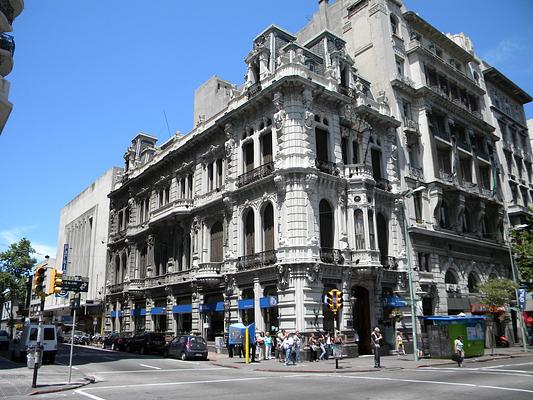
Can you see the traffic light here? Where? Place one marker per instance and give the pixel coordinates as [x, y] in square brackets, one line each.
[56, 280]
[39, 277]
[329, 301]
[334, 298]
[339, 300]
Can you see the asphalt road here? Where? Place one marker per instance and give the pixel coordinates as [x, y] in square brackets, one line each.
[131, 376]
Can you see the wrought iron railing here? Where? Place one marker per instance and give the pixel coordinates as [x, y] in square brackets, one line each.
[255, 174]
[331, 256]
[254, 89]
[257, 260]
[7, 9]
[327, 166]
[389, 262]
[415, 172]
[7, 42]
[347, 91]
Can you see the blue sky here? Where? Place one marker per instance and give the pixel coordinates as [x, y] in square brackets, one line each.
[90, 74]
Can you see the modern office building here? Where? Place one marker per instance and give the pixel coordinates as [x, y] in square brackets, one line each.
[367, 121]
[82, 251]
[9, 10]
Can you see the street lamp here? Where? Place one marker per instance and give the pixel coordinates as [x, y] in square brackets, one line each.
[516, 277]
[405, 195]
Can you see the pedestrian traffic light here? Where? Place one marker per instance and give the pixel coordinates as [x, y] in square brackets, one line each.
[56, 280]
[39, 277]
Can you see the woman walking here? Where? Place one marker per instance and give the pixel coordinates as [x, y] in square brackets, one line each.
[376, 339]
[268, 346]
[458, 351]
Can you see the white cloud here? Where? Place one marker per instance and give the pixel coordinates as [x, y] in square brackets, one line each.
[14, 234]
[504, 51]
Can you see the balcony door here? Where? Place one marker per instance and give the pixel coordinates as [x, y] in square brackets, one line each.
[217, 243]
[266, 148]
[268, 227]
[322, 148]
[248, 154]
[249, 234]
[326, 224]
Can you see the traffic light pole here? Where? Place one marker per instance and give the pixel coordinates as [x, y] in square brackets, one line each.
[39, 349]
[72, 341]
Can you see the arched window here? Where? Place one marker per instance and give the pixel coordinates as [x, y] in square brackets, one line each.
[268, 228]
[394, 25]
[450, 277]
[359, 230]
[217, 242]
[326, 224]
[249, 233]
[473, 282]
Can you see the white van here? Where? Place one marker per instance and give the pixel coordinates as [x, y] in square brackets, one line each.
[28, 338]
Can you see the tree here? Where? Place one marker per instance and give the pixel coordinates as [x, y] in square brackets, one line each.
[16, 264]
[522, 244]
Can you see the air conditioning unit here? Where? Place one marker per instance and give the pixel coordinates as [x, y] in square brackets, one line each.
[452, 287]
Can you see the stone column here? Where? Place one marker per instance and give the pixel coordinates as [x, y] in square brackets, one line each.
[258, 315]
[150, 265]
[148, 318]
[171, 322]
[197, 299]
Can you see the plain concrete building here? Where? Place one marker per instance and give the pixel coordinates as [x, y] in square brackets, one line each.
[9, 10]
[295, 183]
[82, 250]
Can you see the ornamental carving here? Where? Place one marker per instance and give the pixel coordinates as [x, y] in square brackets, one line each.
[283, 273]
[229, 285]
[280, 115]
[313, 273]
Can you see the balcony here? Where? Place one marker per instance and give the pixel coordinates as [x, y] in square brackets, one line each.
[327, 167]
[383, 184]
[255, 174]
[358, 171]
[347, 91]
[116, 288]
[403, 82]
[389, 262]
[254, 89]
[463, 144]
[209, 273]
[331, 256]
[410, 126]
[415, 172]
[257, 260]
[441, 134]
[178, 206]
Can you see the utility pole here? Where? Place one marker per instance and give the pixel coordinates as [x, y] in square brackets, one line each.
[75, 307]
[39, 349]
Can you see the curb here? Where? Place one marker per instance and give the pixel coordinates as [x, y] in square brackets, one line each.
[314, 371]
[478, 360]
[88, 380]
[224, 365]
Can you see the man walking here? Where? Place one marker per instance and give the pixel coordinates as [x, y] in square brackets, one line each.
[376, 341]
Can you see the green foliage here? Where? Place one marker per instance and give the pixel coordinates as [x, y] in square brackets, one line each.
[16, 264]
[523, 250]
[497, 292]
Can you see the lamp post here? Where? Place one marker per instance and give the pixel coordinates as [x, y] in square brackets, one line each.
[516, 278]
[405, 195]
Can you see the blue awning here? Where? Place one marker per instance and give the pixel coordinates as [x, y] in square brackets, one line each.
[182, 309]
[138, 312]
[215, 307]
[158, 311]
[246, 304]
[115, 314]
[395, 302]
[268, 302]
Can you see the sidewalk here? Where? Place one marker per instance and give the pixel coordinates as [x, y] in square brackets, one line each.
[16, 379]
[359, 364]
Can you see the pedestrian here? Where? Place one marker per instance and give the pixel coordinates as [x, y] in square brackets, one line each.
[268, 346]
[288, 347]
[458, 351]
[313, 344]
[329, 346]
[322, 346]
[297, 347]
[260, 340]
[375, 341]
[279, 345]
[399, 344]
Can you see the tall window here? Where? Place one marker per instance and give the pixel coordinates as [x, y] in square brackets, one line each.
[344, 150]
[394, 25]
[372, 236]
[443, 215]
[355, 152]
[268, 228]
[376, 164]
[142, 262]
[248, 156]
[219, 173]
[473, 282]
[326, 224]
[266, 147]
[217, 243]
[359, 230]
[210, 177]
[249, 233]
[417, 200]
[322, 149]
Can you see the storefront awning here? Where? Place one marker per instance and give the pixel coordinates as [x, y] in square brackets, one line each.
[182, 309]
[214, 307]
[395, 302]
[115, 314]
[157, 311]
[138, 312]
[268, 302]
[246, 304]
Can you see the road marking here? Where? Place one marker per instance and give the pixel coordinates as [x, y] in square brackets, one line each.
[477, 371]
[509, 365]
[436, 383]
[178, 383]
[159, 370]
[91, 396]
[149, 366]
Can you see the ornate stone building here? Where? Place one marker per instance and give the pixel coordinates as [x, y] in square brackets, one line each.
[295, 183]
[9, 10]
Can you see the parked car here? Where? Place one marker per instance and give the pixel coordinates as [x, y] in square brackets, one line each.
[116, 341]
[28, 339]
[187, 347]
[4, 340]
[147, 342]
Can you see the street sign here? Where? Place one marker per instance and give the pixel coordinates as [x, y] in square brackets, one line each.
[522, 293]
[75, 284]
